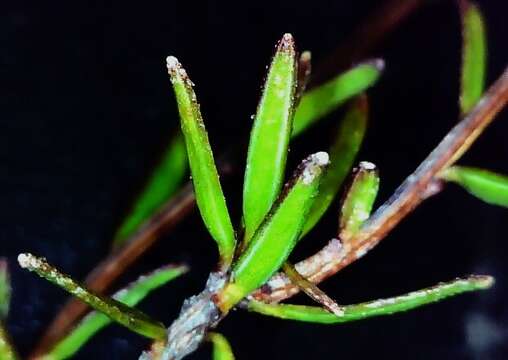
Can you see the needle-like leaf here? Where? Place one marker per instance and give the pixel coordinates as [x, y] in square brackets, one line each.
[5, 289]
[277, 235]
[343, 152]
[485, 185]
[7, 352]
[221, 348]
[322, 100]
[474, 54]
[95, 321]
[129, 317]
[359, 199]
[269, 139]
[374, 308]
[164, 182]
[207, 188]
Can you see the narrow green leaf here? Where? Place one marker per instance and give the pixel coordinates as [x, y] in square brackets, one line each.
[359, 199]
[277, 235]
[7, 352]
[474, 54]
[129, 317]
[322, 100]
[95, 321]
[374, 308]
[269, 139]
[343, 152]
[485, 185]
[207, 188]
[164, 182]
[5, 289]
[221, 348]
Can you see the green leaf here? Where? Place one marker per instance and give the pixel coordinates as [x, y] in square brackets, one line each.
[322, 100]
[359, 199]
[485, 185]
[95, 321]
[164, 182]
[343, 152]
[221, 348]
[374, 308]
[269, 139]
[474, 54]
[207, 188]
[7, 352]
[277, 235]
[5, 289]
[129, 317]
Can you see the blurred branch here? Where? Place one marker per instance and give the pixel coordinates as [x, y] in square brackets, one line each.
[366, 37]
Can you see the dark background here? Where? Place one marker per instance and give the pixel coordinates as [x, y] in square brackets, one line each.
[86, 108]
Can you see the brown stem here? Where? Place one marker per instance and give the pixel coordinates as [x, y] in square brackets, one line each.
[115, 265]
[410, 194]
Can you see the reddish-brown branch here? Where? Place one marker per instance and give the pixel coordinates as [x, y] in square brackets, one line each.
[410, 194]
[101, 278]
[366, 37]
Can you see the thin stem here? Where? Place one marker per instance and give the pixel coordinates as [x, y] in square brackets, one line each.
[312, 290]
[409, 195]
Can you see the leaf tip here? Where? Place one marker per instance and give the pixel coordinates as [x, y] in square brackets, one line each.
[313, 165]
[483, 281]
[176, 71]
[286, 44]
[172, 63]
[321, 158]
[26, 261]
[379, 64]
[306, 56]
[367, 165]
[181, 268]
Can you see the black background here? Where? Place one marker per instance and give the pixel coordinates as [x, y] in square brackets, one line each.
[86, 108]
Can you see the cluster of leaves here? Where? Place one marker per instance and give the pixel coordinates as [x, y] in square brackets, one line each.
[276, 214]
